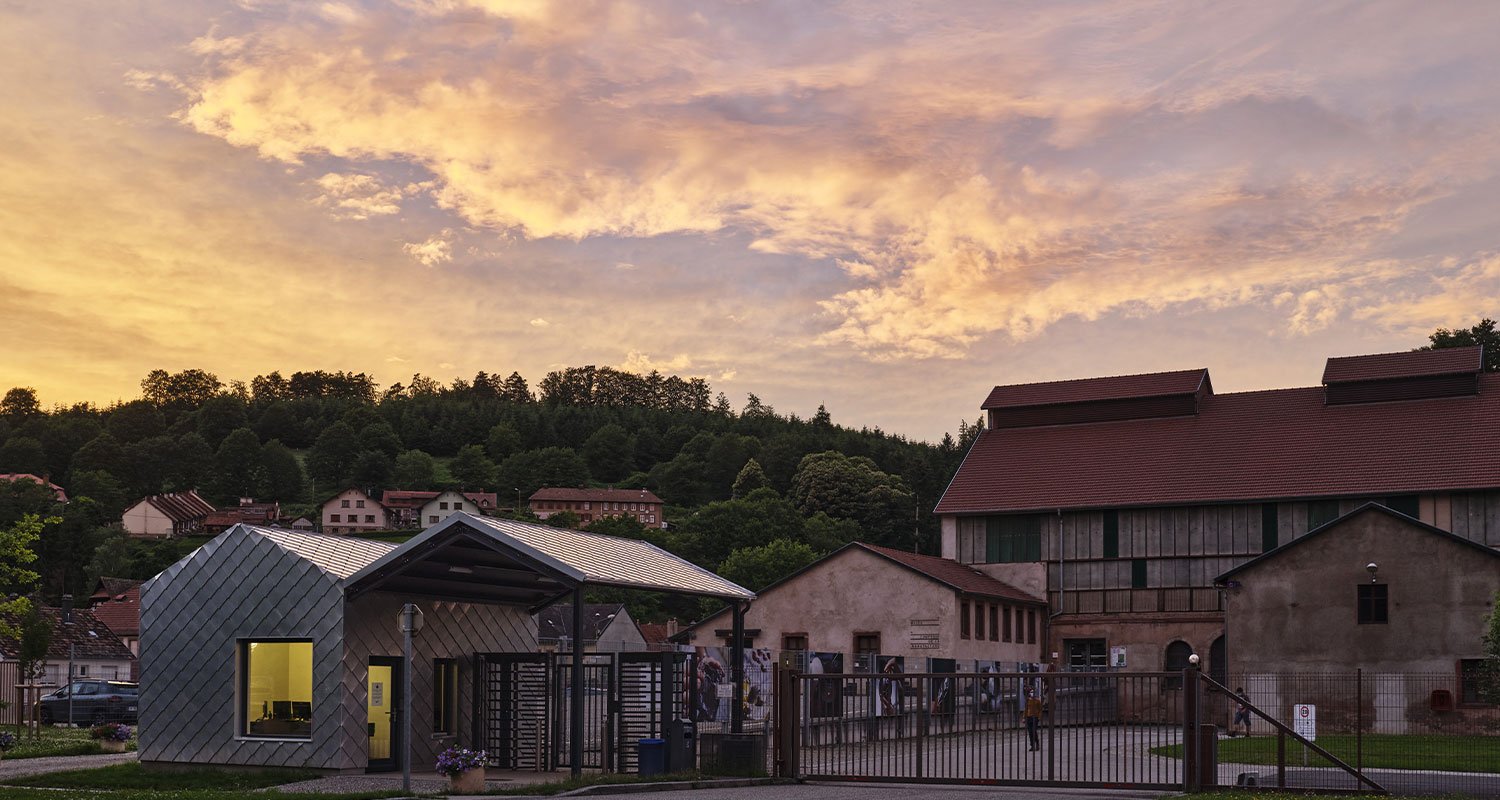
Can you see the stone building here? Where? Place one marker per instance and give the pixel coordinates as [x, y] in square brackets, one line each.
[1121, 499]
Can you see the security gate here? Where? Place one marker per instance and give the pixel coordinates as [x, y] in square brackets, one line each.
[525, 703]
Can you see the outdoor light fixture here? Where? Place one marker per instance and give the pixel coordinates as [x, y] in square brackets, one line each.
[1372, 567]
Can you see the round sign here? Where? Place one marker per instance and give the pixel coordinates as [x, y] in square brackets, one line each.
[1303, 710]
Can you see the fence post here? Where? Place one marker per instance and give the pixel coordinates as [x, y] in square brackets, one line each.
[1190, 711]
[921, 722]
[1359, 719]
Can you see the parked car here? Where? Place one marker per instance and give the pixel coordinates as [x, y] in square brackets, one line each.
[93, 702]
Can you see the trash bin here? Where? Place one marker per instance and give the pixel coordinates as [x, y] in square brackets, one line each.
[653, 755]
[682, 745]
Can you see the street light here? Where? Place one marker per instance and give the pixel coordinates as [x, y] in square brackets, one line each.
[411, 622]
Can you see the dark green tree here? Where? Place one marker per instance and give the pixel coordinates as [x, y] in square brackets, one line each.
[101, 453]
[751, 477]
[330, 463]
[563, 519]
[515, 390]
[111, 558]
[755, 568]
[278, 422]
[23, 454]
[237, 467]
[20, 402]
[415, 470]
[1483, 333]
[373, 468]
[219, 416]
[855, 489]
[136, 420]
[610, 453]
[502, 442]
[194, 463]
[549, 466]
[18, 578]
[153, 462]
[472, 468]
[175, 392]
[382, 437]
[281, 475]
[103, 488]
[709, 535]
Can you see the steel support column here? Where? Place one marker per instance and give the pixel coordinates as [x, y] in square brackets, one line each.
[575, 724]
[737, 670]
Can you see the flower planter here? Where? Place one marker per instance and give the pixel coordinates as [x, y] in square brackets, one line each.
[470, 781]
[112, 745]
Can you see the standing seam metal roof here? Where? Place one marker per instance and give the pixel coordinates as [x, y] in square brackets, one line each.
[340, 556]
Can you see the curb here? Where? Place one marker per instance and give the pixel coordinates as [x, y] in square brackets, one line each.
[668, 786]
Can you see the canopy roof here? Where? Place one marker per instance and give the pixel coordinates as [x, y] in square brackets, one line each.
[480, 559]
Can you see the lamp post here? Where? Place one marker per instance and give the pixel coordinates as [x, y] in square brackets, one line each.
[411, 622]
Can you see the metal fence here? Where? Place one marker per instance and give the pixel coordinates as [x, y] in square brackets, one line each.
[1412, 733]
[1092, 729]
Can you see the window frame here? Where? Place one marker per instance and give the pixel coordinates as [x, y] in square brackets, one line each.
[445, 696]
[789, 639]
[1368, 601]
[242, 701]
[863, 638]
[994, 622]
[963, 620]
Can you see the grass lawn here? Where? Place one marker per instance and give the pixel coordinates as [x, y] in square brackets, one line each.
[1386, 751]
[131, 782]
[55, 741]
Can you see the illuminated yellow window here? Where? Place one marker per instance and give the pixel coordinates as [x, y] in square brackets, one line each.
[277, 689]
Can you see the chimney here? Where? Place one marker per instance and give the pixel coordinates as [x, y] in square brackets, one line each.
[67, 609]
[672, 627]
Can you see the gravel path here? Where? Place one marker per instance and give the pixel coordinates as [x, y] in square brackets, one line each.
[18, 767]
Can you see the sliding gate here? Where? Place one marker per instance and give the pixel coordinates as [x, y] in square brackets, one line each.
[525, 704]
[1095, 728]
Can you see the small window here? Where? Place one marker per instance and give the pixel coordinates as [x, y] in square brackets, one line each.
[444, 695]
[432, 519]
[276, 688]
[1270, 528]
[343, 504]
[1478, 682]
[1111, 534]
[995, 623]
[1373, 604]
[963, 620]
[370, 518]
[333, 517]
[866, 643]
[359, 504]
[442, 505]
[1005, 619]
[979, 621]
[1031, 626]
[794, 641]
[1138, 573]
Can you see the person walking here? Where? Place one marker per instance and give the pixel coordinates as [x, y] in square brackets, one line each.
[1033, 716]
[1241, 712]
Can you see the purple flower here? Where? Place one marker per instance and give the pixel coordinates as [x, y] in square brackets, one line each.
[457, 760]
[111, 731]
[7, 740]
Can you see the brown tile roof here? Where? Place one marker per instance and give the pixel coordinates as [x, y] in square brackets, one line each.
[57, 491]
[1411, 364]
[89, 637]
[961, 577]
[400, 498]
[600, 495]
[654, 633]
[181, 506]
[1248, 446]
[121, 613]
[1086, 390]
[110, 587]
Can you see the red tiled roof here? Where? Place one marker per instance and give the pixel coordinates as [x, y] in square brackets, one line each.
[401, 498]
[181, 506]
[962, 577]
[653, 632]
[1278, 444]
[601, 495]
[62, 496]
[1411, 364]
[108, 587]
[1085, 390]
[89, 637]
[122, 612]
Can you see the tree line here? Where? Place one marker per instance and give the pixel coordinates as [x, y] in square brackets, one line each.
[733, 478]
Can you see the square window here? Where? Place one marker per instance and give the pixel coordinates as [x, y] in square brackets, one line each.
[443, 505]
[431, 519]
[794, 641]
[333, 517]
[370, 518]
[1372, 602]
[276, 689]
[867, 643]
[343, 504]
[444, 695]
[359, 504]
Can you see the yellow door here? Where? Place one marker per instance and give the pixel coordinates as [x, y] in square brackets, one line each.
[380, 700]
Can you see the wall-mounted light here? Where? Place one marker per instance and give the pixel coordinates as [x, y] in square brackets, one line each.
[1372, 568]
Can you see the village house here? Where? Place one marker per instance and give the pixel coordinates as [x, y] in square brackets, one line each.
[1121, 499]
[162, 516]
[444, 504]
[608, 628]
[248, 511]
[592, 504]
[57, 491]
[407, 507]
[77, 634]
[116, 602]
[354, 511]
[946, 610]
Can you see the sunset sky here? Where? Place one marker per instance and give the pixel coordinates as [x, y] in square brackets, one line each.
[886, 207]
